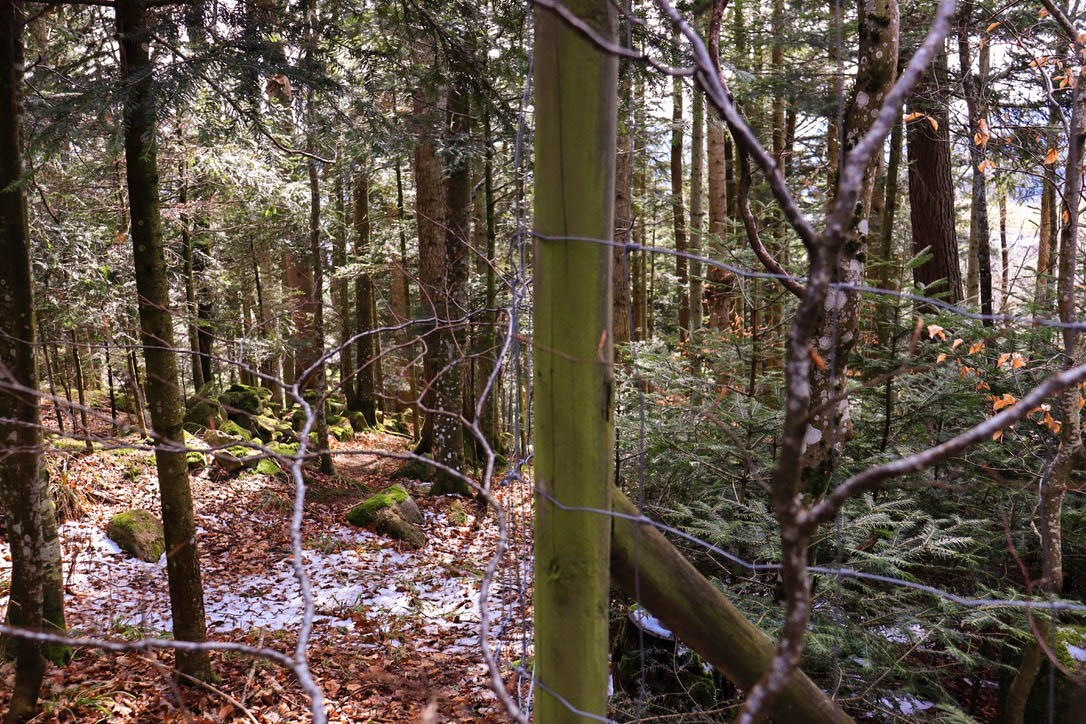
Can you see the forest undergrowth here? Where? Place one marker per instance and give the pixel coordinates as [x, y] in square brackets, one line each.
[396, 631]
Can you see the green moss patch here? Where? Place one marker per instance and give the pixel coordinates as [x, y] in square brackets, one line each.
[366, 512]
[138, 533]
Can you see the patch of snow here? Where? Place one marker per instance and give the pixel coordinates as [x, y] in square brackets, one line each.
[649, 623]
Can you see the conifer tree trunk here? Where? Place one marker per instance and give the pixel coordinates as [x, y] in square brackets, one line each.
[156, 325]
[888, 275]
[719, 295]
[365, 401]
[931, 186]
[317, 259]
[340, 295]
[621, 295]
[80, 390]
[697, 216]
[22, 486]
[1004, 282]
[979, 230]
[448, 443]
[575, 140]
[678, 215]
[190, 285]
[429, 216]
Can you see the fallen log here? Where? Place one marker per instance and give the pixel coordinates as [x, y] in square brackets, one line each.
[687, 603]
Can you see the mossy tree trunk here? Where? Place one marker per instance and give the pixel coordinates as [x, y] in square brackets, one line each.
[156, 326]
[574, 435]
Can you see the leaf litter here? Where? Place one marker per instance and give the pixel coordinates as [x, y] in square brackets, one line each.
[395, 632]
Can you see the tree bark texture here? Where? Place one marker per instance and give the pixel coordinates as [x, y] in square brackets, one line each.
[156, 327]
[574, 172]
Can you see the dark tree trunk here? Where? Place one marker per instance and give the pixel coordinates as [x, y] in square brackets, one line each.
[165, 403]
[191, 309]
[678, 215]
[697, 216]
[77, 365]
[931, 187]
[429, 215]
[22, 486]
[341, 293]
[365, 399]
[719, 295]
[204, 332]
[317, 300]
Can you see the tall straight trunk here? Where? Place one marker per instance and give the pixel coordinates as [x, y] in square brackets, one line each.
[697, 215]
[365, 399]
[1046, 243]
[678, 216]
[486, 343]
[404, 299]
[49, 377]
[720, 293]
[639, 265]
[189, 273]
[429, 216]
[575, 85]
[931, 187]
[830, 424]
[888, 271]
[204, 332]
[1004, 257]
[622, 224]
[448, 446]
[340, 294]
[156, 327]
[317, 260]
[77, 365]
[136, 390]
[977, 107]
[22, 485]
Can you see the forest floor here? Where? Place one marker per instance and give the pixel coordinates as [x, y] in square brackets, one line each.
[396, 633]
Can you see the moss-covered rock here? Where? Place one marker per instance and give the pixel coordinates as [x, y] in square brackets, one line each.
[266, 428]
[393, 424]
[391, 522]
[234, 429]
[218, 438]
[286, 449]
[194, 428]
[358, 420]
[249, 399]
[366, 512]
[205, 411]
[196, 460]
[341, 430]
[267, 466]
[138, 533]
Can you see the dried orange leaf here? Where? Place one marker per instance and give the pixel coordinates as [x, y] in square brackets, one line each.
[1005, 401]
[940, 358]
[997, 434]
[956, 342]
[993, 26]
[1052, 156]
[1003, 358]
[817, 358]
[935, 329]
[1017, 361]
[976, 347]
[934, 123]
[913, 116]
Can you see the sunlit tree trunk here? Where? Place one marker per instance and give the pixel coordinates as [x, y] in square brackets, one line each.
[678, 214]
[152, 286]
[575, 86]
[697, 215]
[835, 336]
[448, 445]
[719, 295]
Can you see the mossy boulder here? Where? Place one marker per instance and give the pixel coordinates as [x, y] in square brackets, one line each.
[234, 429]
[205, 411]
[391, 522]
[266, 428]
[286, 449]
[341, 430]
[365, 512]
[138, 533]
[237, 457]
[196, 460]
[393, 424]
[218, 438]
[124, 402]
[248, 399]
[267, 466]
[358, 420]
